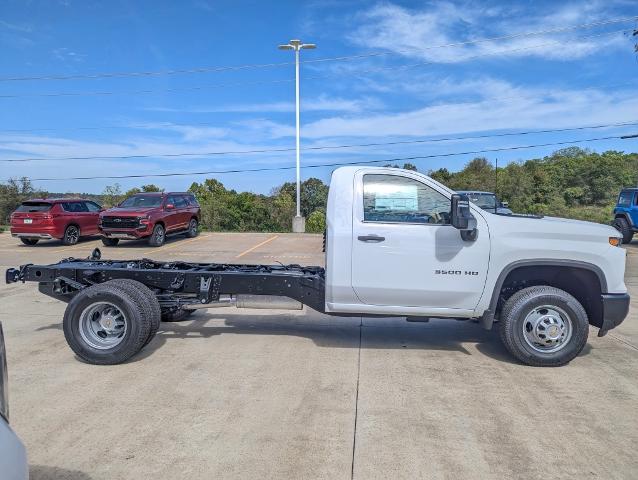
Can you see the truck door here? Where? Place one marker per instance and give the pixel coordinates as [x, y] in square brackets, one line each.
[405, 253]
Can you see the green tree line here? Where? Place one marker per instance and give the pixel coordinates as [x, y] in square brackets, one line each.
[572, 183]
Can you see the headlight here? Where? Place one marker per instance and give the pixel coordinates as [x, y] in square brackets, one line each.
[4, 380]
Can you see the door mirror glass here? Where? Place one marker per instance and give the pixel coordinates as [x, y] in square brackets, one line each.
[461, 217]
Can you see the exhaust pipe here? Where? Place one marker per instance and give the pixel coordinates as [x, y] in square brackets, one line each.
[262, 302]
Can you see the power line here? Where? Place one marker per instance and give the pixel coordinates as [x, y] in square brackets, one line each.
[321, 147]
[354, 74]
[269, 169]
[209, 69]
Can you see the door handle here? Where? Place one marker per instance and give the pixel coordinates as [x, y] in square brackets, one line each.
[370, 238]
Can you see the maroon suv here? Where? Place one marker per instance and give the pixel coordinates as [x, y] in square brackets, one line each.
[150, 215]
[64, 218]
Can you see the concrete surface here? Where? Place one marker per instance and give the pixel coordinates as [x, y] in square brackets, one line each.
[233, 394]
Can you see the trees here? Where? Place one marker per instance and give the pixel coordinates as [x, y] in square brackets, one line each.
[112, 195]
[12, 194]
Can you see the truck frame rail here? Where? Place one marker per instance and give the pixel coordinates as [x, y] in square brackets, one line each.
[177, 284]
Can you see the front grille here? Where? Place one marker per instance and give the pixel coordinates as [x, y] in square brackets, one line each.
[120, 222]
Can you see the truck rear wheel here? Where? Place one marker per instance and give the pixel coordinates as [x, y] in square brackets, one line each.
[106, 324]
[544, 326]
[146, 296]
[110, 242]
[622, 225]
[193, 229]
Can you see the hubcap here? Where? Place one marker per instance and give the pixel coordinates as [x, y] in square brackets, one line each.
[103, 325]
[547, 329]
[193, 226]
[159, 235]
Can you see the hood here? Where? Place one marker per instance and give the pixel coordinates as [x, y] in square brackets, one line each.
[128, 212]
[552, 228]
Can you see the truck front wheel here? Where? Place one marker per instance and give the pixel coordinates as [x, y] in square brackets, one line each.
[622, 225]
[544, 326]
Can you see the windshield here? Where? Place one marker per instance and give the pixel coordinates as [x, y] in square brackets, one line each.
[34, 207]
[142, 201]
[486, 201]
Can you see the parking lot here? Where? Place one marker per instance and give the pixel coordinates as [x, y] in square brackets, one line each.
[267, 394]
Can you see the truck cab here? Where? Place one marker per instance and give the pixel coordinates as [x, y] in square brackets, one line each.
[392, 249]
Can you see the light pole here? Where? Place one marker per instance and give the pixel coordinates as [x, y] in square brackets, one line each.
[298, 222]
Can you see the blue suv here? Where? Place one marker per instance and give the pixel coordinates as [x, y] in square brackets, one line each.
[626, 213]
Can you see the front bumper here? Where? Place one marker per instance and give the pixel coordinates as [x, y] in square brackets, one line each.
[128, 233]
[615, 309]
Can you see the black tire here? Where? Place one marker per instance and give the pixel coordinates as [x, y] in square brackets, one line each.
[515, 322]
[158, 237]
[622, 225]
[149, 299]
[71, 235]
[193, 228]
[29, 241]
[179, 315]
[130, 304]
[110, 242]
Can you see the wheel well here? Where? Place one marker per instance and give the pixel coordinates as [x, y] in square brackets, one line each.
[160, 222]
[74, 224]
[582, 283]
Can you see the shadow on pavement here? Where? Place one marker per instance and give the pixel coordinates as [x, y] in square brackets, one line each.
[44, 472]
[437, 335]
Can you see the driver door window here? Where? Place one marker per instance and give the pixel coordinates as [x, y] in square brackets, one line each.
[397, 199]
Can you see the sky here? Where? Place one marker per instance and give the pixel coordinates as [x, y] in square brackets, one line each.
[142, 79]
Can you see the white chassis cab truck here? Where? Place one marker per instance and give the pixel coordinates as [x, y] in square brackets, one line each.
[397, 244]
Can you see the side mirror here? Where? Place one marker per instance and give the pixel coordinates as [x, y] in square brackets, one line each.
[461, 217]
[505, 204]
[169, 206]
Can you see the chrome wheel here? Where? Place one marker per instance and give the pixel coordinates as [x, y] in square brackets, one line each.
[72, 235]
[103, 325]
[192, 228]
[547, 329]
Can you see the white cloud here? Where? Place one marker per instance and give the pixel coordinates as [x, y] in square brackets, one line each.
[413, 33]
[496, 105]
[322, 103]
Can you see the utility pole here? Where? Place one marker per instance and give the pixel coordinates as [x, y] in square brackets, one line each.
[298, 222]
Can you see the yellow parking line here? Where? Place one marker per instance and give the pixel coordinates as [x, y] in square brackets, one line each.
[257, 246]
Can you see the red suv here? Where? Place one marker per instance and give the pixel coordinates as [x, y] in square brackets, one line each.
[151, 215]
[64, 218]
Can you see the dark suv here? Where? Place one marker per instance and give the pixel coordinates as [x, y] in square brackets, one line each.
[150, 215]
[626, 213]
